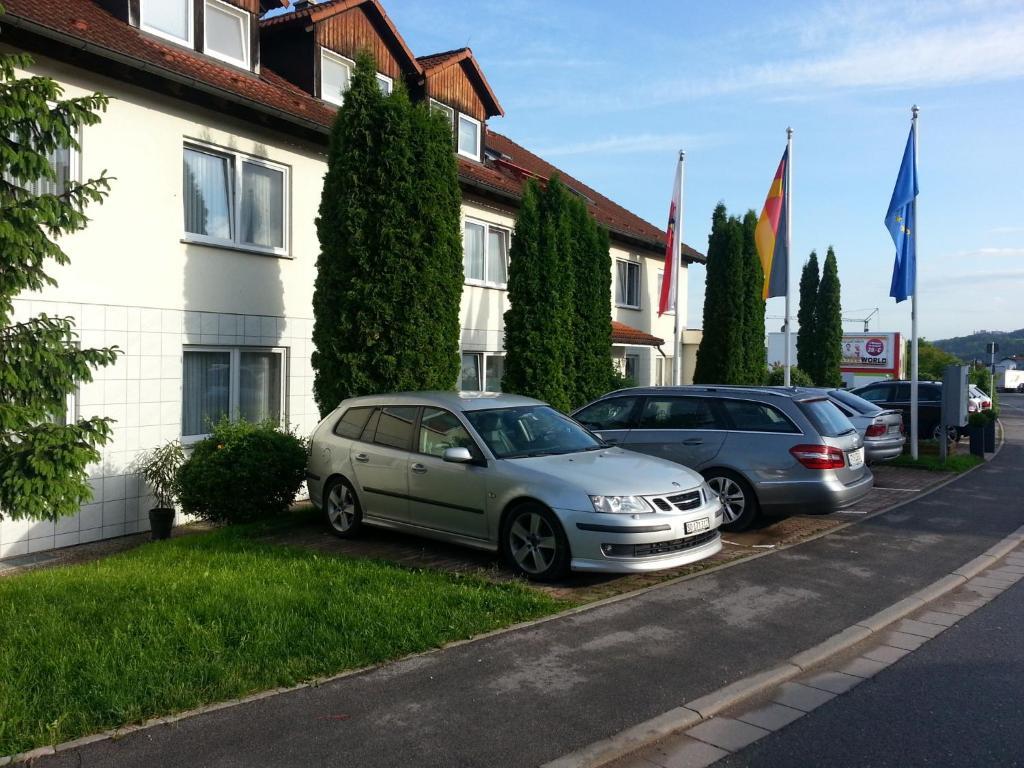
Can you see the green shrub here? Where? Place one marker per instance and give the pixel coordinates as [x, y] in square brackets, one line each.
[242, 472]
[618, 380]
[777, 376]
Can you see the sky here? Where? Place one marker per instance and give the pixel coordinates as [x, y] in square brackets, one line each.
[609, 91]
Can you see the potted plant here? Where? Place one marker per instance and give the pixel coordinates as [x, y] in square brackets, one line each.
[989, 429]
[976, 430]
[159, 467]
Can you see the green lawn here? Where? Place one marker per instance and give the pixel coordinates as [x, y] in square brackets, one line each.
[931, 462]
[173, 625]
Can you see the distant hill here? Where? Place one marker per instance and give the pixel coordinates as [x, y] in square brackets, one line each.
[972, 347]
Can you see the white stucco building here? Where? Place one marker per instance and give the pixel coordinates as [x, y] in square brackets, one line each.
[200, 264]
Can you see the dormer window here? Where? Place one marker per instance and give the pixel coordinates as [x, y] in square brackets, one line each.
[444, 109]
[335, 75]
[469, 137]
[385, 83]
[170, 19]
[226, 32]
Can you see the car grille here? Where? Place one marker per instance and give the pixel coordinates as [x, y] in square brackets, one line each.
[659, 547]
[680, 501]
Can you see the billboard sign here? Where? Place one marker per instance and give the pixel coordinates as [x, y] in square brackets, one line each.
[870, 351]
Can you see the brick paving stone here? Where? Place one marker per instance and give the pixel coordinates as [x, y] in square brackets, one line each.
[886, 654]
[681, 751]
[771, 717]
[862, 667]
[988, 592]
[914, 627]
[1008, 569]
[833, 682]
[726, 733]
[904, 641]
[999, 575]
[801, 697]
[939, 617]
[981, 581]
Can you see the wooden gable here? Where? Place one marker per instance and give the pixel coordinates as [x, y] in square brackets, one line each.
[361, 29]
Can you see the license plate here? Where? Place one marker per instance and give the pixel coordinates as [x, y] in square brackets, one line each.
[894, 428]
[855, 458]
[696, 526]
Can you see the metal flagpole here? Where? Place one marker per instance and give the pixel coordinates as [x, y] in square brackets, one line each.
[677, 354]
[789, 229]
[913, 309]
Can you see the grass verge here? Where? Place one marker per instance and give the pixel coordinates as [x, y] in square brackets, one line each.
[932, 463]
[174, 625]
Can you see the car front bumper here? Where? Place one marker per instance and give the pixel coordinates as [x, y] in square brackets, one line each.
[639, 543]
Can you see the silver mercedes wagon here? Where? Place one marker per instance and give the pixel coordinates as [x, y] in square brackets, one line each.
[507, 474]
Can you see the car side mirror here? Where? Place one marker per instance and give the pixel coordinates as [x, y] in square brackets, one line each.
[457, 455]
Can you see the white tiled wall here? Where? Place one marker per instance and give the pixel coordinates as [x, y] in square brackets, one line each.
[142, 392]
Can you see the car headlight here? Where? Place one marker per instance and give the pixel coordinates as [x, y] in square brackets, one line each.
[620, 505]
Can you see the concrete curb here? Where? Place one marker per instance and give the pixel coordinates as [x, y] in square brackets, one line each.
[671, 720]
[605, 751]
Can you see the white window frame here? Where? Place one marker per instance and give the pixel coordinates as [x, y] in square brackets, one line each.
[234, 378]
[338, 59]
[481, 367]
[479, 136]
[383, 79]
[487, 226]
[237, 160]
[625, 293]
[447, 111]
[74, 162]
[189, 42]
[246, 34]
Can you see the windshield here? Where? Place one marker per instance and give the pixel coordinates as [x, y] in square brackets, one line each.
[826, 418]
[531, 430]
[856, 402]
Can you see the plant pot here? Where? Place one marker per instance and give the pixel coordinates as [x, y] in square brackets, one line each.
[161, 520]
[990, 436]
[977, 435]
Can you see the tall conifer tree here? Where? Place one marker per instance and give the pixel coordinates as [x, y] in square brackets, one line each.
[753, 312]
[42, 460]
[721, 358]
[829, 324]
[807, 335]
[389, 274]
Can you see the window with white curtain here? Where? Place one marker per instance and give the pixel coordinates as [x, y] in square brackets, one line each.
[469, 137]
[227, 33]
[64, 162]
[628, 284]
[335, 75]
[171, 19]
[235, 199]
[485, 253]
[234, 382]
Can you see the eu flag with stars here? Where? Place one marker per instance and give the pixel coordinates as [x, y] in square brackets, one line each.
[899, 220]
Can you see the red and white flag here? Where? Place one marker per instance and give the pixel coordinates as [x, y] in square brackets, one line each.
[670, 277]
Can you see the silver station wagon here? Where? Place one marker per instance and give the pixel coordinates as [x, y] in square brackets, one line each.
[507, 474]
[760, 449]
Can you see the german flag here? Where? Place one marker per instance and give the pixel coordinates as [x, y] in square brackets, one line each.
[770, 235]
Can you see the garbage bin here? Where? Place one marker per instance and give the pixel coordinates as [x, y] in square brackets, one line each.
[990, 435]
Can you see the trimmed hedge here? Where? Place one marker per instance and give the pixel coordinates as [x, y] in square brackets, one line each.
[242, 472]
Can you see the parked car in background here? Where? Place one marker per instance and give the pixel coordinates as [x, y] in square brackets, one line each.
[977, 400]
[508, 474]
[760, 449]
[881, 429]
[896, 395]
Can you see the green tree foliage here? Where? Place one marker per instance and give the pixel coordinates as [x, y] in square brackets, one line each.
[42, 461]
[389, 274]
[806, 335]
[754, 305]
[539, 322]
[797, 378]
[721, 358]
[932, 361]
[828, 319]
[591, 366]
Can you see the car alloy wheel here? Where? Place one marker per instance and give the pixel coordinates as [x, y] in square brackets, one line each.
[734, 501]
[341, 508]
[534, 543]
[952, 435]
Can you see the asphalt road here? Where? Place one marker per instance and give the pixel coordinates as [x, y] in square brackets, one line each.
[956, 701]
[525, 697]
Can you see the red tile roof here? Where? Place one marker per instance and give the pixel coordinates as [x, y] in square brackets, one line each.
[627, 334]
[108, 36]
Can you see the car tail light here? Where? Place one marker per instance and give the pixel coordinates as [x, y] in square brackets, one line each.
[819, 456]
[875, 430]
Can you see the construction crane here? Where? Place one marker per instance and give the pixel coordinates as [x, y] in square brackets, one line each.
[865, 320]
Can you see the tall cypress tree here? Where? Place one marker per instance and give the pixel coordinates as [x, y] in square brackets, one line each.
[720, 356]
[753, 312]
[539, 321]
[591, 365]
[42, 461]
[389, 274]
[807, 335]
[829, 324]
